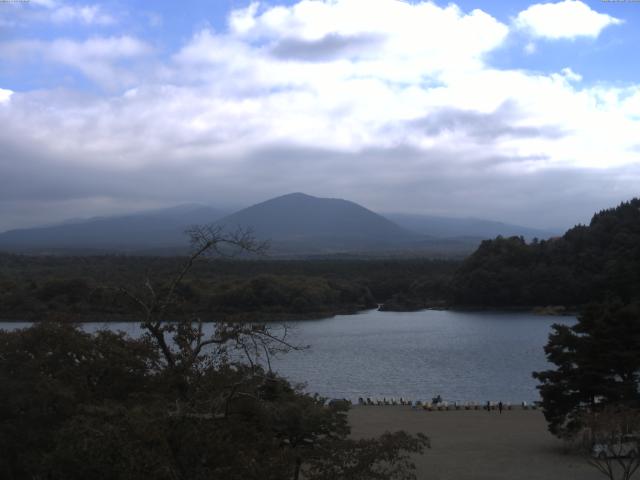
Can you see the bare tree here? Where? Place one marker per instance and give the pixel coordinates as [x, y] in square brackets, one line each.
[610, 441]
[182, 341]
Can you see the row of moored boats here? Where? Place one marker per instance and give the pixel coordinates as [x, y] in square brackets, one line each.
[444, 405]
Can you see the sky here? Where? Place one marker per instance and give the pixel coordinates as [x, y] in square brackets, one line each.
[516, 111]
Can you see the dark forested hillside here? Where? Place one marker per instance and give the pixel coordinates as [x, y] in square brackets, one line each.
[588, 263]
[86, 288]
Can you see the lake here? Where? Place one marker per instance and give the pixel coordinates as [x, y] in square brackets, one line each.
[462, 356]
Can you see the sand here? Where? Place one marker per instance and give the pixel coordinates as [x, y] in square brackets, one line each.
[478, 445]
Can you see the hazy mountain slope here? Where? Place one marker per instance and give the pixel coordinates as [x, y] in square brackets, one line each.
[302, 222]
[146, 230]
[443, 227]
[296, 224]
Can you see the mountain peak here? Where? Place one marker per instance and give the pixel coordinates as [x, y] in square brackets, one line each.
[295, 195]
[326, 223]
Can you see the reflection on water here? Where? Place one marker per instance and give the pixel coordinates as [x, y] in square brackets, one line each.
[463, 356]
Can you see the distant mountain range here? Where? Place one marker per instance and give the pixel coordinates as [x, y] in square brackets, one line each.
[447, 227]
[152, 230]
[296, 224]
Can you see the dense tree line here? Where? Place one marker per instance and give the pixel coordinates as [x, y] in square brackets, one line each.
[86, 287]
[588, 263]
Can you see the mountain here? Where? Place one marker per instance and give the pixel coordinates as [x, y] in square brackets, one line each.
[589, 263]
[478, 229]
[300, 223]
[152, 230]
[295, 224]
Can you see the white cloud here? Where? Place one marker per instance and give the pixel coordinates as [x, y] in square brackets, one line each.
[60, 12]
[5, 95]
[567, 19]
[530, 48]
[571, 75]
[87, 14]
[358, 96]
[331, 77]
[97, 48]
[99, 58]
[421, 37]
[45, 3]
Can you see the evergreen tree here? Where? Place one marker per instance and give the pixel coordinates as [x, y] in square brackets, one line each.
[588, 263]
[597, 364]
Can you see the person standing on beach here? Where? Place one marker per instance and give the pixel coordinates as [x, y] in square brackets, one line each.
[488, 406]
[500, 407]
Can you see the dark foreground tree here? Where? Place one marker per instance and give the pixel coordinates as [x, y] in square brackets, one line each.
[597, 364]
[174, 404]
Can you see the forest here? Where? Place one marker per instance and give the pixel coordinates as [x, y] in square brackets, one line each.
[588, 263]
[88, 288]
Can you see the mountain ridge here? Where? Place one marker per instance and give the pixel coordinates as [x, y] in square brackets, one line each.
[296, 223]
[445, 227]
[294, 219]
[153, 229]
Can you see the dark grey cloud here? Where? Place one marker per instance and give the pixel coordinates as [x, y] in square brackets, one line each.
[484, 127]
[329, 47]
[442, 182]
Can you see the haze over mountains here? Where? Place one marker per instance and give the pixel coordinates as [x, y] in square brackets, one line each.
[296, 224]
[150, 230]
[448, 227]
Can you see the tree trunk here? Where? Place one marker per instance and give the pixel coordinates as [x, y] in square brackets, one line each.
[296, 471]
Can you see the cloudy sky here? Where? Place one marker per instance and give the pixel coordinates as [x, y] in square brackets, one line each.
[516, 111]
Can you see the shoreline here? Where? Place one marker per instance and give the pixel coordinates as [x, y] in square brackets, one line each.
[241, 317]
[548, 310]
[246, 317]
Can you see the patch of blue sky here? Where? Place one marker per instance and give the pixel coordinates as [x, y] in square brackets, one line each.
[609, 58]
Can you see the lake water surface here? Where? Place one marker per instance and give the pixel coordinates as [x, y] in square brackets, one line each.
[462, 356]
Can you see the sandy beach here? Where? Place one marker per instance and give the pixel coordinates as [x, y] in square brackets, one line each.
[478, 445]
